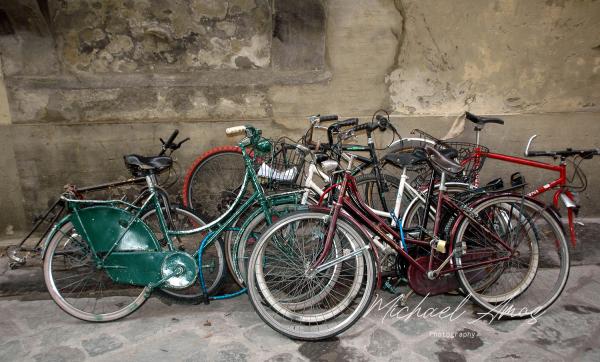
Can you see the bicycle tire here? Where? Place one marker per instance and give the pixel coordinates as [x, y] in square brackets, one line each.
[300, 324]
[550, 262]
[208, 187]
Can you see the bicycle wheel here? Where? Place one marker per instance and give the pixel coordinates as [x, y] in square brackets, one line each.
[213, 258]
[240, 249]
[532, 277]
[374, 197]
[308, 305]
[82, 289]
[213, 182]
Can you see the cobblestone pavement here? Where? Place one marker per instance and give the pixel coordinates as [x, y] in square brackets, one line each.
[36, 330]
[33, 328]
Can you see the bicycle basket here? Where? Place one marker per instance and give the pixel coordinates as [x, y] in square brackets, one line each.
[466, 157]
[281, 167]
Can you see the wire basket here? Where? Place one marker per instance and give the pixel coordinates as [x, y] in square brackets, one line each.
[280, 168]
[466, 157]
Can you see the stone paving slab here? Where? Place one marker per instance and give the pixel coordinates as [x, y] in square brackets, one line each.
[37, 330]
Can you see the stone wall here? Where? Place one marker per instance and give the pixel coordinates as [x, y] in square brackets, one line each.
[87, 81]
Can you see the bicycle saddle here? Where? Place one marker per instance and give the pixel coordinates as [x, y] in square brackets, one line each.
[441, 163]
[140, 165]
[481, 121]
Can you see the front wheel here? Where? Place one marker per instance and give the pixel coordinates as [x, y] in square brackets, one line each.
[535, 268]
[294, 299]
[79, 287]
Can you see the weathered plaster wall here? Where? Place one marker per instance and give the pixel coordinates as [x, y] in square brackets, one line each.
[497, 56]
[90, 80]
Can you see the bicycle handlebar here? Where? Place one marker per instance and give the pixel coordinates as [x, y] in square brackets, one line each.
[332, 117]
[561, 153]
[336, 127]
[169, 145]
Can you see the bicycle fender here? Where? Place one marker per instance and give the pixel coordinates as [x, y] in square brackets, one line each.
[53, 232]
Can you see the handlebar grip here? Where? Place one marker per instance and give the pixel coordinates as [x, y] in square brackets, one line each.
[332, 117]
[361, 127]
[235, 130]
[538, 153]
[172, 137]
[346, 123]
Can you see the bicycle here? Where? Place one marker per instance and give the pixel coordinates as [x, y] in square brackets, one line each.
[326, 284]
[562, 184]
[19, 254]
[123, 257]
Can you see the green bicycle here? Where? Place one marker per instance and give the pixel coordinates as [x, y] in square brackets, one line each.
[103, 260]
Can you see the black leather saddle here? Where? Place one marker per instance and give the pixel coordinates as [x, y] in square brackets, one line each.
[141, 166]
[406, 159]
[481, 121]
[441, 163]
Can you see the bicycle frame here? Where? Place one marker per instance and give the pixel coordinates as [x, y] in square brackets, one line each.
[353, 206]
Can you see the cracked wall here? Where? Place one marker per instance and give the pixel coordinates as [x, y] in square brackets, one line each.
[88, 81]
[497, 57]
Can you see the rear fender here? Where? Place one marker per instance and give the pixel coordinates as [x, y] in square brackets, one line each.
[53, 232]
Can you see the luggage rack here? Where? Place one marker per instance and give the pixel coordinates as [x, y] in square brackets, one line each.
[18, 254]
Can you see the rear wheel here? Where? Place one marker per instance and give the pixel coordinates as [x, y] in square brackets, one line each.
[532, 277]
[82, 289]
[214, 182]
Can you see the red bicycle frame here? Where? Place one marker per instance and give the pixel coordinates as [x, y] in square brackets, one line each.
[560, 182]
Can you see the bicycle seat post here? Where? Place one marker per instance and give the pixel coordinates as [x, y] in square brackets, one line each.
[477, 132]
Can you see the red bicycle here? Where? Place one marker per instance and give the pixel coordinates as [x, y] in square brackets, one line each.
[562, 184]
